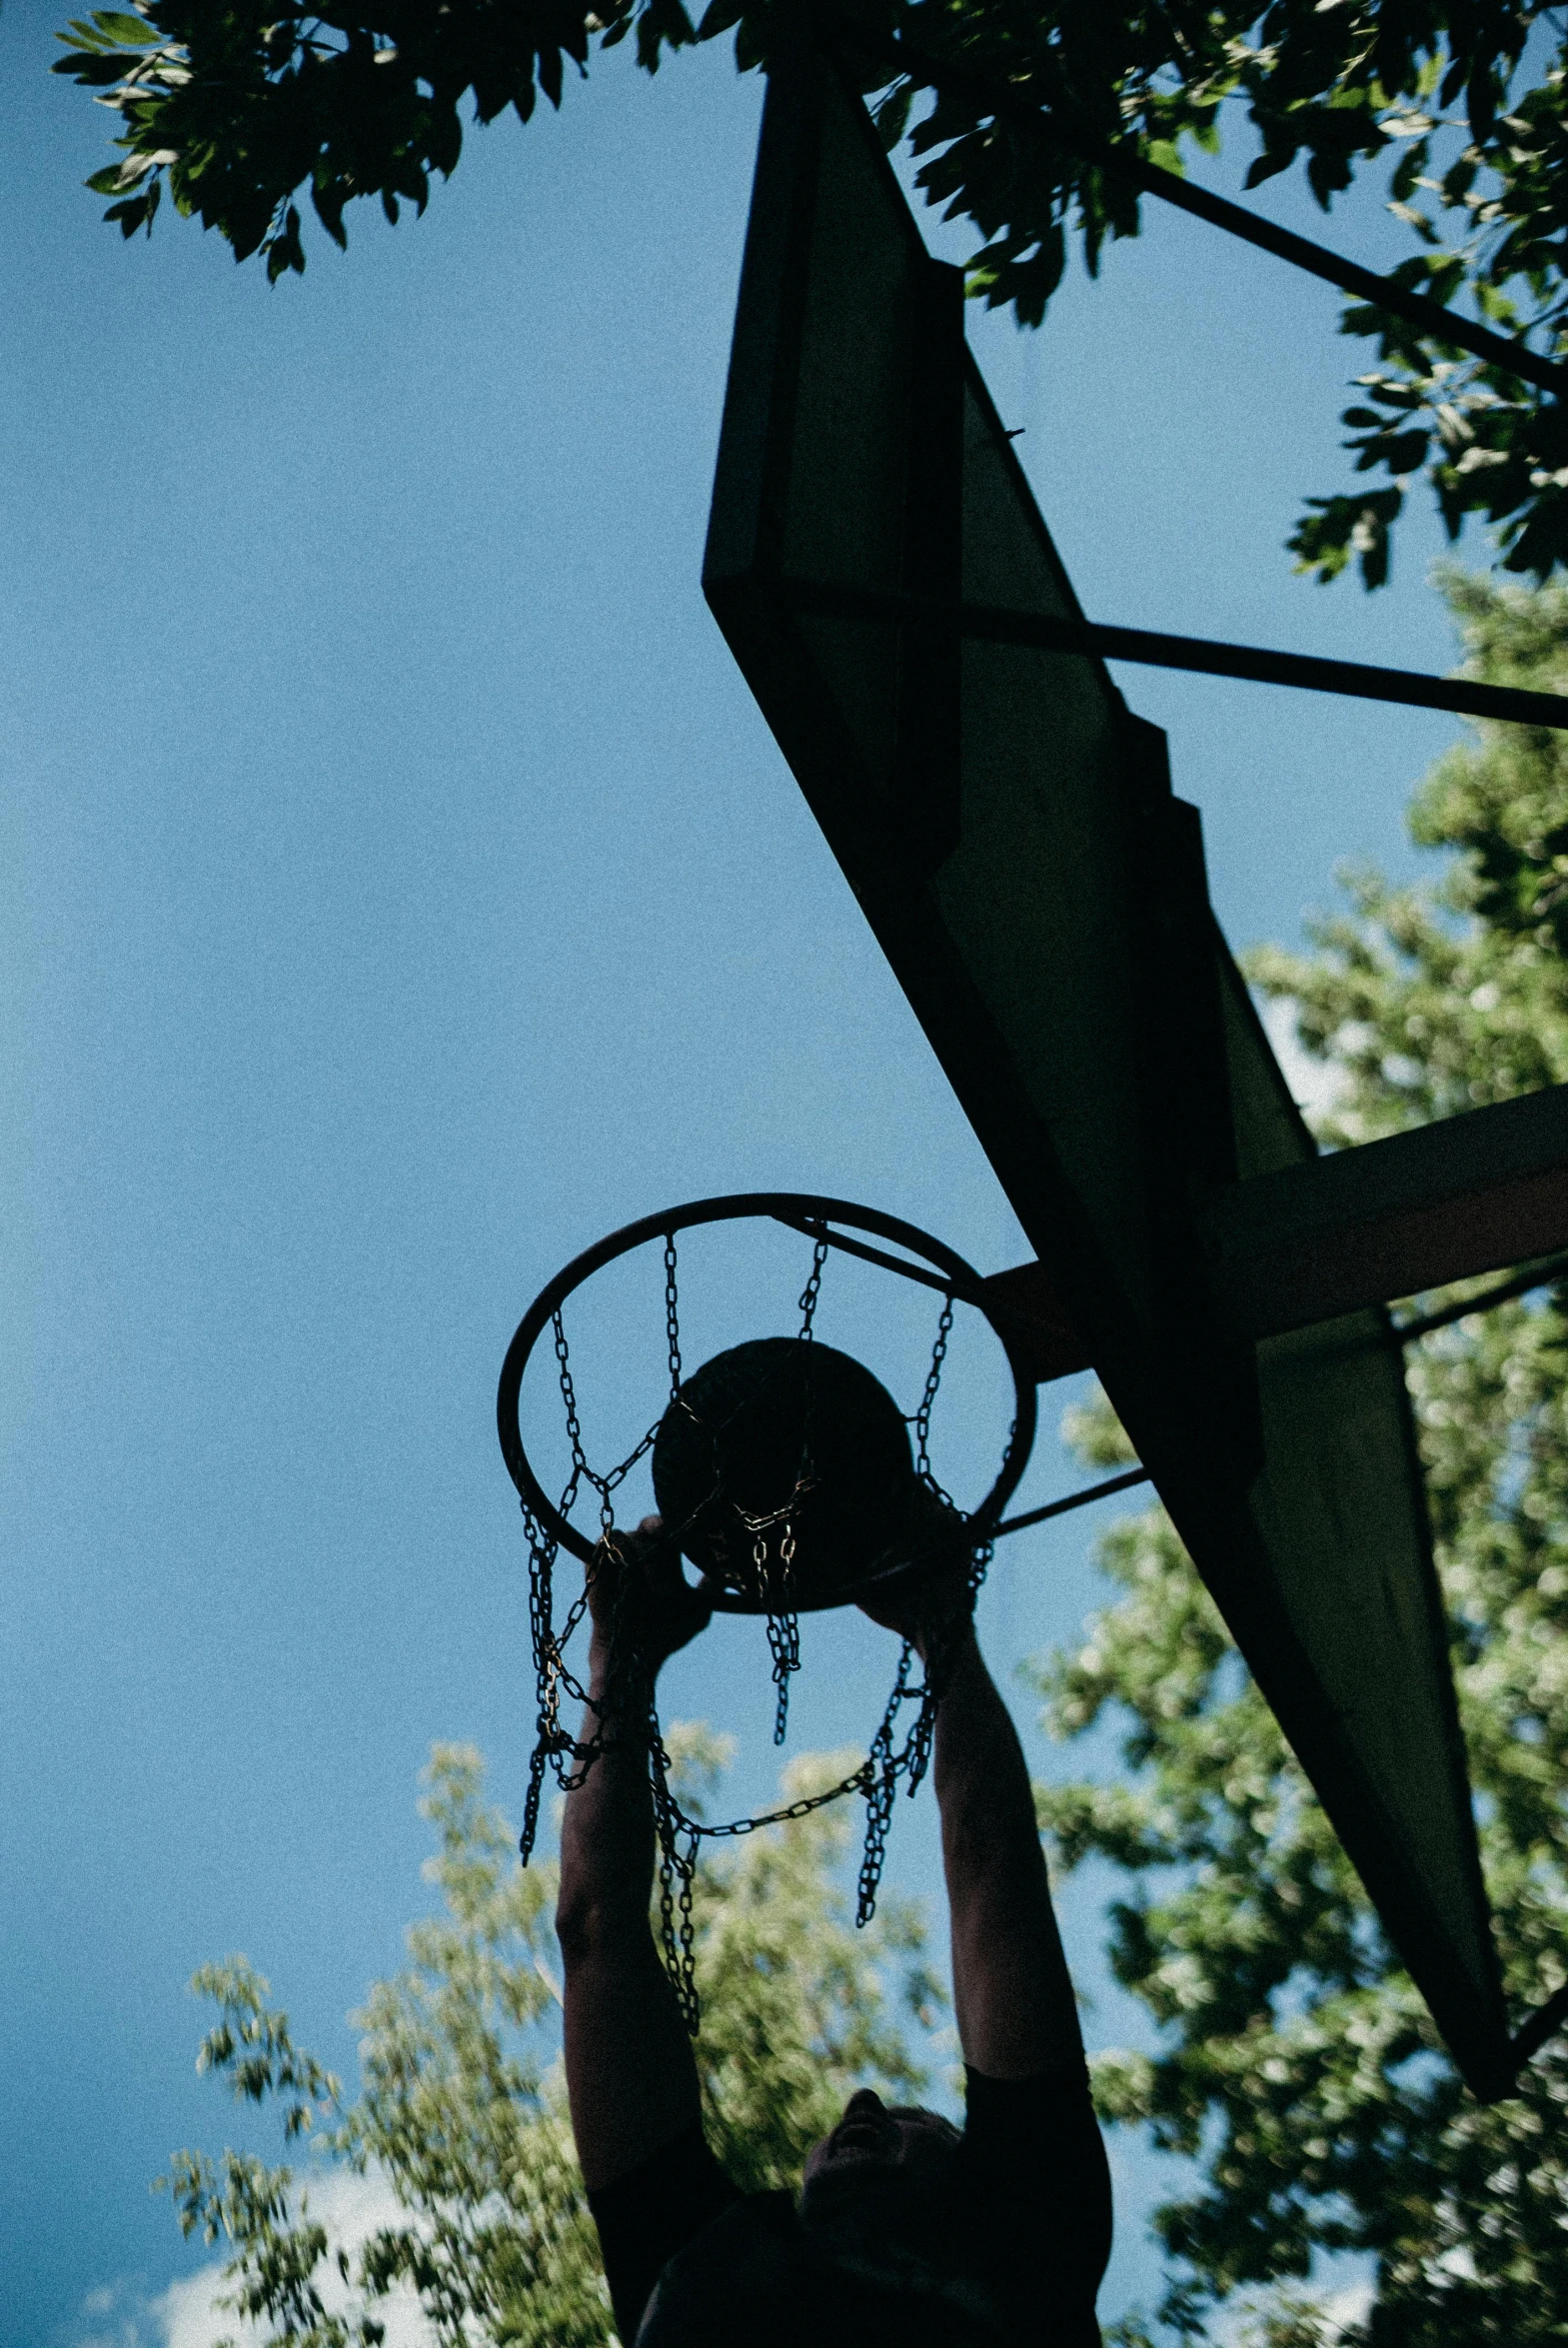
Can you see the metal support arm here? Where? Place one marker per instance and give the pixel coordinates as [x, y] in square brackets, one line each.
[1308, 672]
[1359, 1226]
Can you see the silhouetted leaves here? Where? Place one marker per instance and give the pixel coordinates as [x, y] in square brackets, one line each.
[1019, 111]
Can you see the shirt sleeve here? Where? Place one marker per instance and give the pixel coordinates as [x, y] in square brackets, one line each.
[645, 2217]
[1041, 2190]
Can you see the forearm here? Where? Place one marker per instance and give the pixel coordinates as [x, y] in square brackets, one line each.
[1011, 1992]
[631, 2078]
[606, 1827]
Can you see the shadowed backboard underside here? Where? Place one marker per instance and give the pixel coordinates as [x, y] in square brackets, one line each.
[1009, 830]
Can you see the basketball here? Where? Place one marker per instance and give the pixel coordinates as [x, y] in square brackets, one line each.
[776, 1438]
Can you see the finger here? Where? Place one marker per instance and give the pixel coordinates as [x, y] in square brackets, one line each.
[655, 1553]
[682, 1604]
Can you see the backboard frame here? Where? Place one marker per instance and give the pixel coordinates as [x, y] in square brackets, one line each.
[1195, 1398]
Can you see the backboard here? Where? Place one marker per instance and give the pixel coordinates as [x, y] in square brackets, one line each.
[1010, 830]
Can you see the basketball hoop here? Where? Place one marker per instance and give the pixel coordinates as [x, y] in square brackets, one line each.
[786, 1474]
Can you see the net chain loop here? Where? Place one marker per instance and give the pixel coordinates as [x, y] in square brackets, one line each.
[625, 1708]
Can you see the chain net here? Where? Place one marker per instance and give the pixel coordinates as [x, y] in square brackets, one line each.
[623, 1709]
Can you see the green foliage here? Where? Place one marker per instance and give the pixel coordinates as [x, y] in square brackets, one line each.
[1434, 1000]
[240, 106]
[1294, 2062]
[462, 2108]
[280, 2247]
[1020, 109]
[1496, 206]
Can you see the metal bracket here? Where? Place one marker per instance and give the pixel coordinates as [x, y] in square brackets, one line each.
[993, 624]
[1467, 1195]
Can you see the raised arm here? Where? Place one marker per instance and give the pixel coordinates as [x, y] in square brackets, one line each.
[1012, 1996]
[630, 2079]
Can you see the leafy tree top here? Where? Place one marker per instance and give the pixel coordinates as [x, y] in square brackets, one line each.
[1020, 114]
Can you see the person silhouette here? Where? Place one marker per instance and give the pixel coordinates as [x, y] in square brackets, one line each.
[907, 2229]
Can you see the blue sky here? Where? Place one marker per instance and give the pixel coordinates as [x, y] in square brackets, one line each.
[400, 888]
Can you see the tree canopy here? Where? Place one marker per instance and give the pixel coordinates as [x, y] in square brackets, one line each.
[1294, 2062]
[1022, 114]
[462, 2108]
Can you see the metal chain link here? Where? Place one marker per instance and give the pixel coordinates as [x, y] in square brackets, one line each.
[580, 1466]
[881, 1785]
[672, 1315]
[923, 1417]
[811, 1291]
[783, 1628]
[783, 1624]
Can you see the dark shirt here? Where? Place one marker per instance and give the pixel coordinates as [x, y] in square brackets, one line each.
[1010, 2252]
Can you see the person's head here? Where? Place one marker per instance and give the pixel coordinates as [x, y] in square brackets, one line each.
[873, 2264]
[885, 2234]
[898, 2142]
